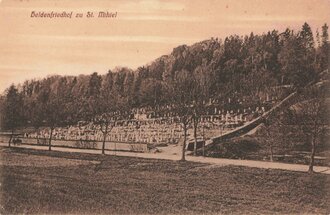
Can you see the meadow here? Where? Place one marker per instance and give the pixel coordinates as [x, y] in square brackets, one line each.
[61, 183]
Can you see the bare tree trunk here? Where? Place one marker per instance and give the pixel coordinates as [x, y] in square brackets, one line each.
[183, 158]
[50, 139]
[11, 137]
[104, 138]
[270, 144]
[203, 141]
[37, 135]
[195, 135]
[311, 164]
[271, 153]
[203, 148]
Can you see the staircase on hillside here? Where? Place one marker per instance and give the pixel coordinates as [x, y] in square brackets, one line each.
[252, 124]
[244, 129]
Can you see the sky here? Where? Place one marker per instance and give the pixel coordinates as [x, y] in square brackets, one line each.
[143, 30]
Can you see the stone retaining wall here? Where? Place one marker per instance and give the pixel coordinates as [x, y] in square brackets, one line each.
[83, 144]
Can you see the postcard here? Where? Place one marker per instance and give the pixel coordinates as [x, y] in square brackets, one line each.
[164, 107]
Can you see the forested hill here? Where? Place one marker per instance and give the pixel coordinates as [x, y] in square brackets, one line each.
[238, 66]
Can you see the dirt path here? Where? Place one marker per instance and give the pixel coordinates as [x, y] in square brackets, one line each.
[166, 156]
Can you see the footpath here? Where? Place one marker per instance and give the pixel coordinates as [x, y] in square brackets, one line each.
[175, 157]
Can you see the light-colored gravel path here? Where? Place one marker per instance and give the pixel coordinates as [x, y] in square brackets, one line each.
[165, 156]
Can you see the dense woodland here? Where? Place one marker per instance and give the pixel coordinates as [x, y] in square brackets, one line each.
[238, 66]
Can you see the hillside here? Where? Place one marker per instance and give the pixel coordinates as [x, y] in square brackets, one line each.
[205, 89]
[284, 135]
[236, 68]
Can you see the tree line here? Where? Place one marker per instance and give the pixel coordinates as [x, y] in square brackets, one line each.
[186, 79]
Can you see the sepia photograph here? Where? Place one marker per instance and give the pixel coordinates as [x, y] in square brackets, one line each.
[164, 107]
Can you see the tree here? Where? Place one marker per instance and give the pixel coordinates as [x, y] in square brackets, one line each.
[307, 54]
[297, 57]
[34, 115]
[106, 121]
[108, 118]
[200, 93]
[181, 91]
[13, 116]
[311, 114]
[53, 109]
[108, 108]
[55, 115]
[196, 113]
[306, 35]
[151, 92]
[273, 134]
[325, 48]
[94, 85]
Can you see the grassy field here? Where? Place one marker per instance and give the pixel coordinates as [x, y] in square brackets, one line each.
[57, 182]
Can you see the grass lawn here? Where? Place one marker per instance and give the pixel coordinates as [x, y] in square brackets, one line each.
[57, 182]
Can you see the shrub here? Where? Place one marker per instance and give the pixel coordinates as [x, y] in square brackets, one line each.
[237, 148]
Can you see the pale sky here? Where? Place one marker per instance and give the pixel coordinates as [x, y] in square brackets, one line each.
[142, 31]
